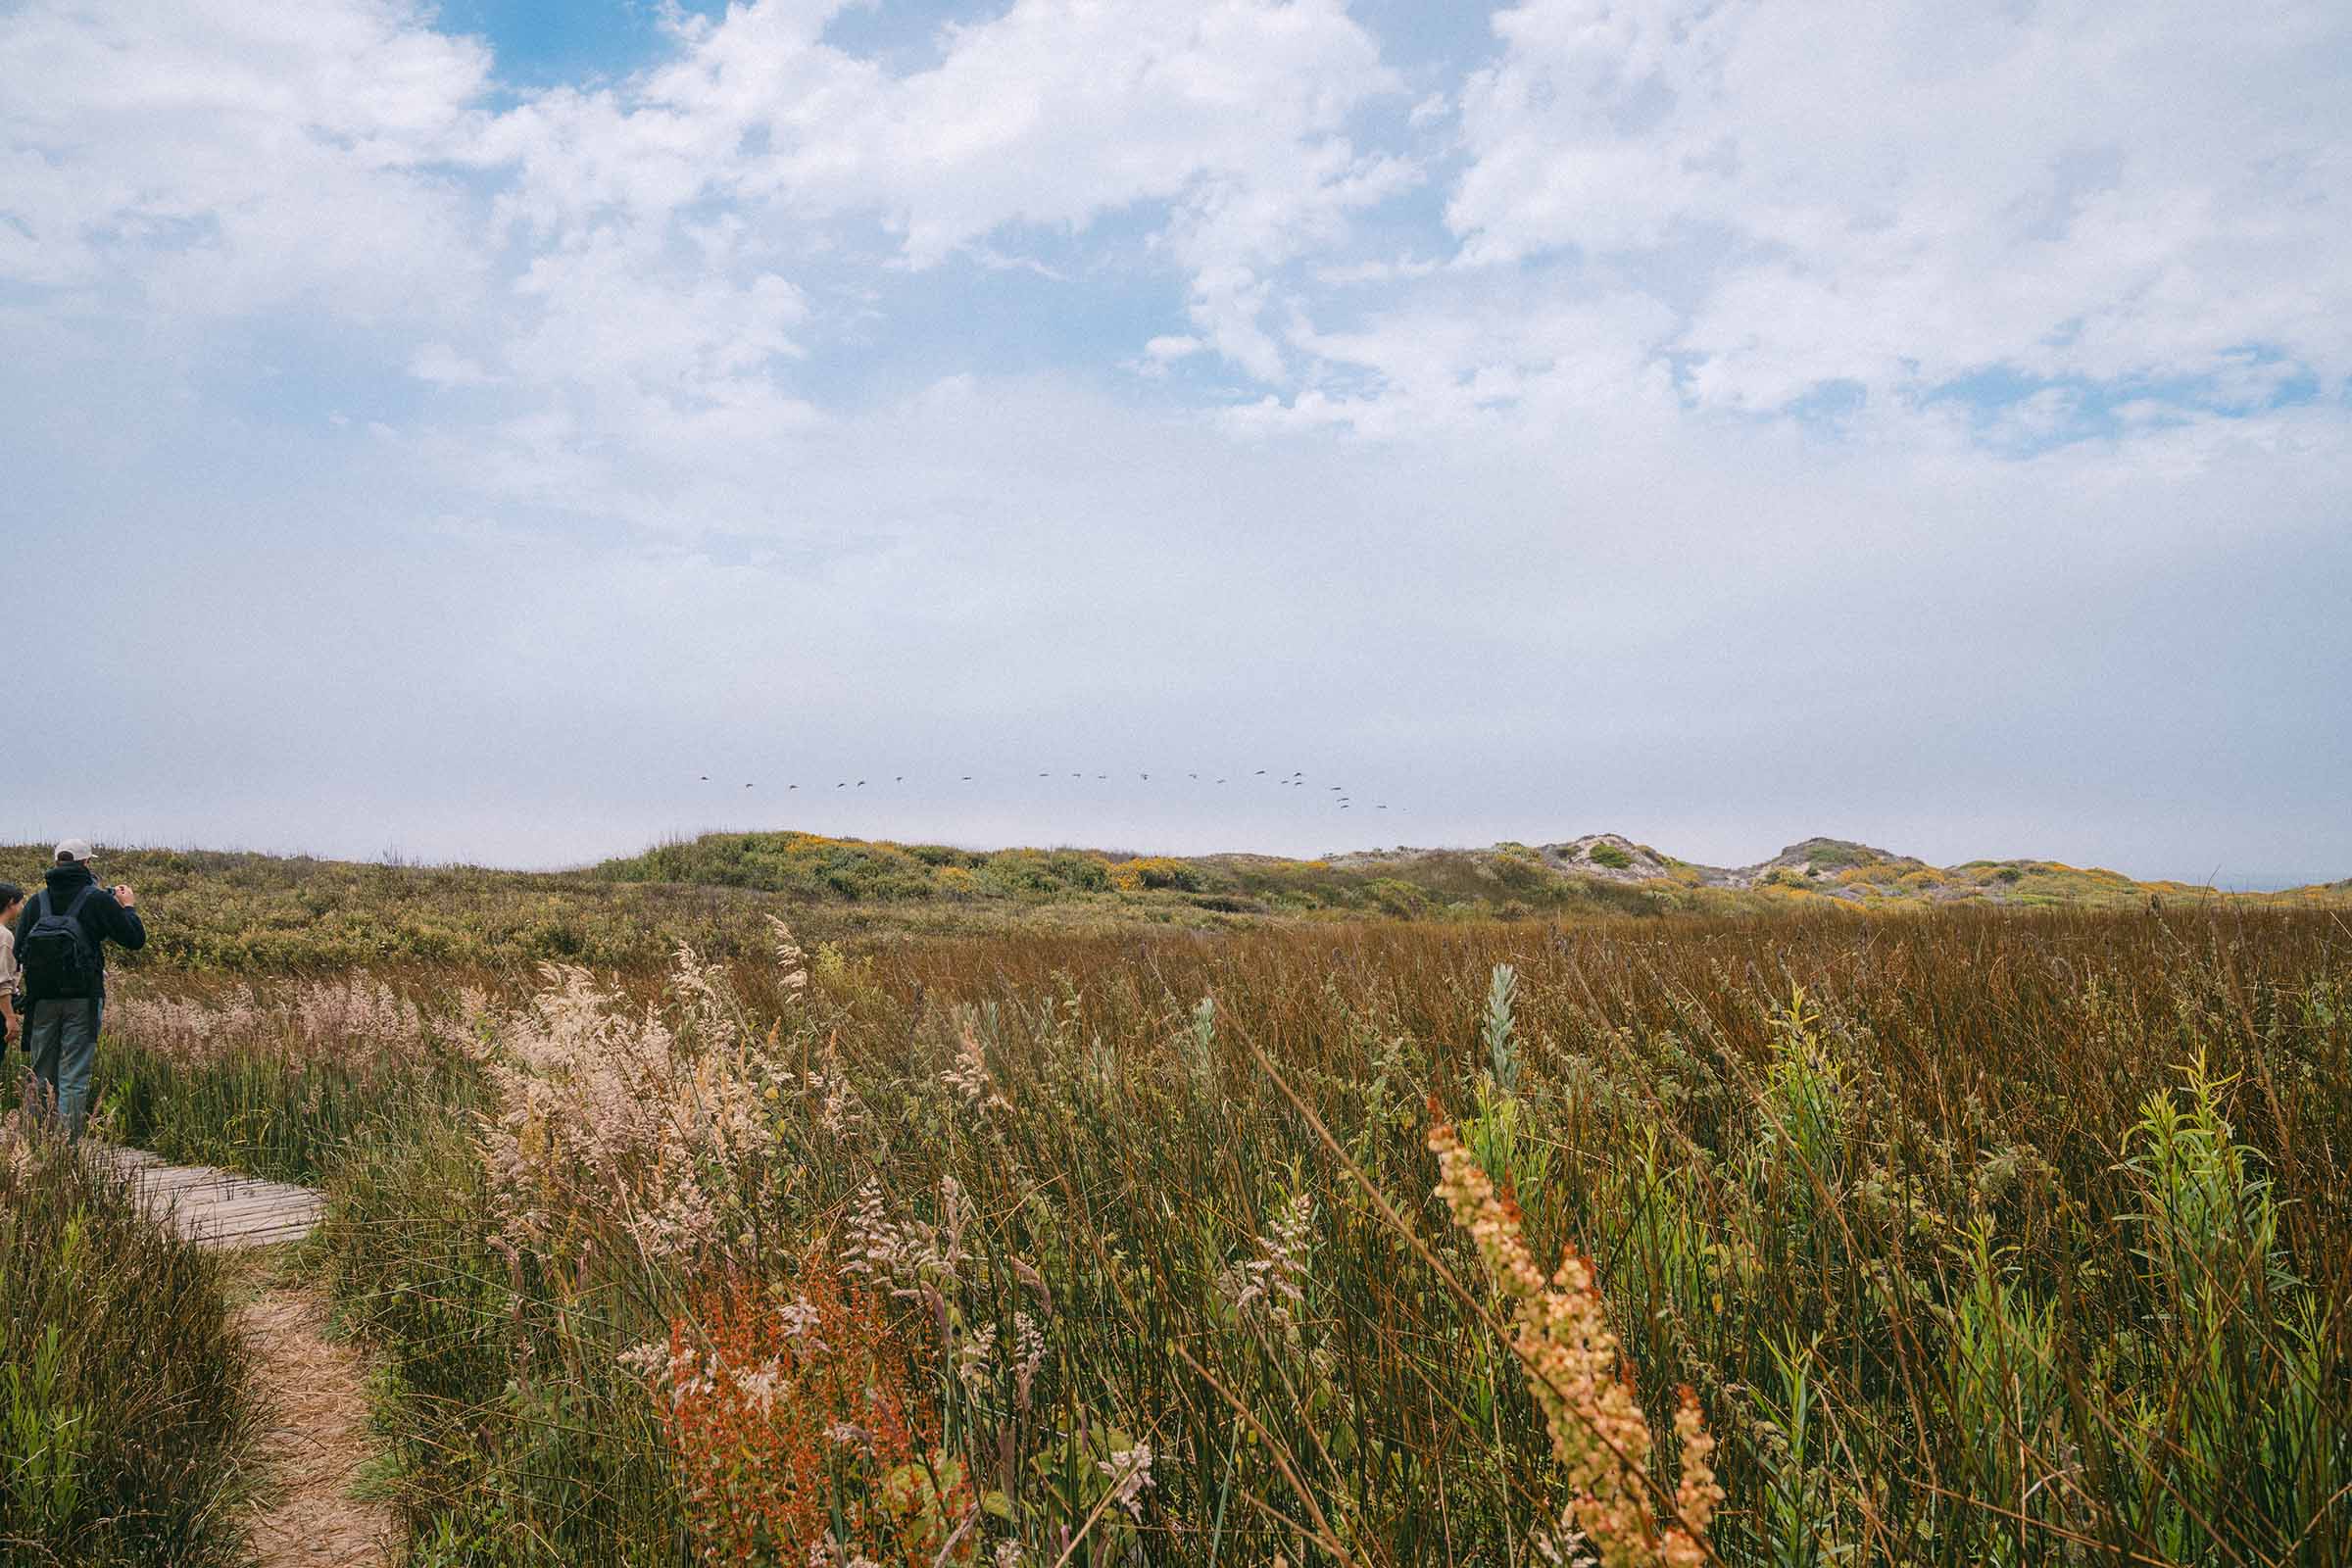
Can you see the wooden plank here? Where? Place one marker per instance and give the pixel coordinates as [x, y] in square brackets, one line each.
[255, 1238]
[276, 1209]
[219, 1183]
[277, 1222]
[253, 1201]
[260, 1236]
[224, 1223]
[177, 1176]
[258, 1227]
[182, 1181]
[215, 1207]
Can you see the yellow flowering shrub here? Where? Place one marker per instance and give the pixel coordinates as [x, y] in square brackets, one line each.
[1154, 871]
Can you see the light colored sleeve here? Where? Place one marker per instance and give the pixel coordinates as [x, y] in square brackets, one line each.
[8, 959]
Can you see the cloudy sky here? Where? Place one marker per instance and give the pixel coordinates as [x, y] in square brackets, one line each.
[456, 430]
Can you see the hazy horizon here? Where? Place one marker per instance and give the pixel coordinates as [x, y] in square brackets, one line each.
[2223, 880]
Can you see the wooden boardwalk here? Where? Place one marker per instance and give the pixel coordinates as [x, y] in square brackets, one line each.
[215, 1207]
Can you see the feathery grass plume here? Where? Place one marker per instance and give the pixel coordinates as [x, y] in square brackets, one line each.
[969, 1077]
[791, 964]
[1599, 1437]
[1265, 1290]
[347, 1018]
[653, 1125]
[274, 1079]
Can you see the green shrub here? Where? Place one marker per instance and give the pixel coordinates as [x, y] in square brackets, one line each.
[517, 1440]
[1019, 872]
[1399, 898]
[1608, 855]
[123, 1403]
[1078, 872]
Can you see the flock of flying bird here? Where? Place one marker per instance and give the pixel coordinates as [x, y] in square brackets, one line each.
[1296, 780]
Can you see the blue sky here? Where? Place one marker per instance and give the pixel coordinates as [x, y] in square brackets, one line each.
[1714, 421]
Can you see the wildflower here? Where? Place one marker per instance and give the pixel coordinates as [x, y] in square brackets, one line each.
[875, 1247]
[799, 1319]
[974, 1360]
[969, 1076]
[1266, 1288]
[643, 1360]
[795, 1425]
[1026, 1272]
[1028, 1355]
[1130, 1473]
[839, 1111]
[758, 1386]
[792, 965]
[1599, 1437]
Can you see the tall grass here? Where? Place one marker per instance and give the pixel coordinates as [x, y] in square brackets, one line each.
[277, 1079]
[1976, 1239]
[122, 1403]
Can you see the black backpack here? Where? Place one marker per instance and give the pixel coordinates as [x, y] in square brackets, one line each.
[56, 955]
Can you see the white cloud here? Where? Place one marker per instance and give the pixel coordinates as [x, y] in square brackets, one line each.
[443, 365]
[1480, 454]
[224, 158]
[1054, 114]
[1901, 194]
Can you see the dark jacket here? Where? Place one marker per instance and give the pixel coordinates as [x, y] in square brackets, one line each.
[102, 917]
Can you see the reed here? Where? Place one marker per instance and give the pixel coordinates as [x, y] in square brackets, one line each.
[124, 1406]
[1974, 1238]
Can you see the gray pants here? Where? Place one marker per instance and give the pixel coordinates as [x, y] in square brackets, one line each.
[62, 1036]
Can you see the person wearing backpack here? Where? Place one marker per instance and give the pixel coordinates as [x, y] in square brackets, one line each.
[59, 937]
[12, 903]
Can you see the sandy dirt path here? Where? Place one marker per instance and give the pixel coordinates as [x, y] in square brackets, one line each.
[313, 1438]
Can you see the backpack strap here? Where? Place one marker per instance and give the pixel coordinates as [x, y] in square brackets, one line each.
[74, 909]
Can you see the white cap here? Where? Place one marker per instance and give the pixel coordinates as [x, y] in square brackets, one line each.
[74, 850]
